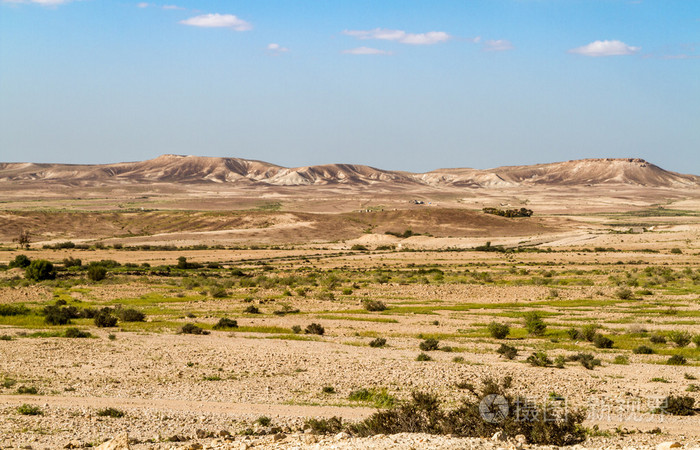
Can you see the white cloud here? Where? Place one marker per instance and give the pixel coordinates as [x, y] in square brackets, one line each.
[605, 48]
[366, 51]
[172, 7]
[143, 5]
[40, 2]
[276, 48]
[498, 45]
[218, 21]
[429, 38]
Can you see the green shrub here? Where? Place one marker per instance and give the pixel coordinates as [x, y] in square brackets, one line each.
[325, 426]
[315, 328]
[696, 340]
[589, 332]
[586, 359]
[72, 262]
[96, 272]
[423, 413]
[111, 412]
[252, 309]
[678, 405]
[498, 330]
[76, 333]
[21, 261]
[374, 305]
[676, 360]
[379, 398]
[130, 315]
[573, 334]
[429, 345]
[600, 341]
[378, 342]
[13, 310]
[621, 359]
[676, 251]
[27, 390]
[30, 410]
[657, 339]
[534, 324]
[423, 357]
[190, 328]
[507, 351]
[643, 350]
[40, 270]
[623, 294]
[264, 421]
[328, 390]
[105, 319]
[559, 362]
[296, 329]
[224, 323]
[57, 315]
[539, 359]
[680, 338]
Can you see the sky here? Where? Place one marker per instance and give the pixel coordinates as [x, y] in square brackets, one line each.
[396, 84]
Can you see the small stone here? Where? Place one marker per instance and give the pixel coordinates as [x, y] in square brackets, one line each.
[195, 446]
[521, 439]
[279, 436]
[120, 442]
[500, 436]
[309, 439]
[668, 445]
[201, 434]
[342, 435]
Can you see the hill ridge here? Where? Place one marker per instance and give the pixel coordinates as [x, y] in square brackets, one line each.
[172, 168]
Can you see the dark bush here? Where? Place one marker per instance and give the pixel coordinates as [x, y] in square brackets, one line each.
[57, 315]
[429, 345]
[224, 323]
[676, 360]
[680, 338]
[374, 305]
[105, 319]
[110, 412]
[586, 359]
[252, 309]
[657, 339]
[315, 328]
[20, 261]
[96, 272]
[534, 324]
[13, 310]
[507, 351]
[325, 426]
[643, 350]
[498, 330]
[76, 333]
[423, 357]
[539, 359]
[574, 334]
[40, 270]
[130, 315]
[424, 414]
[589, 332]
[72, 262]
[27, 390]
[600, 341]
[678, 406]
[29, 410]
[623, 294]
[190, 328]
[378, 342]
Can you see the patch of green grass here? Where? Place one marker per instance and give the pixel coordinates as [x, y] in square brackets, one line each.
[359, 319]
[294, 337]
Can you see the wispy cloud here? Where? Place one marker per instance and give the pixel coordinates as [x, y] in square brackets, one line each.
[276, 48]
[497, 45]
[40, 2]
[143, 5]
[218, 21]
[429, 38]
[366, 51]
[172, 7]
[605, 48]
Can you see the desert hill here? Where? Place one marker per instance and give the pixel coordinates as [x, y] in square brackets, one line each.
[200, 169]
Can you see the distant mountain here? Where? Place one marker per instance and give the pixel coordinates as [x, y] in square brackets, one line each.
[200, 169]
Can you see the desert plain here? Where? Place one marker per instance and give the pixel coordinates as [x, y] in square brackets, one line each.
[347, 290]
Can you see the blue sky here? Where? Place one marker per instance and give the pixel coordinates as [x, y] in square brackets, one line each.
[397, 84]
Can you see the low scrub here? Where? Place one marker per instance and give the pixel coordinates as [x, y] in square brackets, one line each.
[534, 324]
[190, 328]
[486, 412]
[678, 405]
[507, 351]
[429, 345]
[374, 305]
[379, 398]
[111, 412]
[225, 323]
[539, 359]
[130, 315]
[378, 342]
[315, 328]
[498, 330]
[680, 338]
[76, 333]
